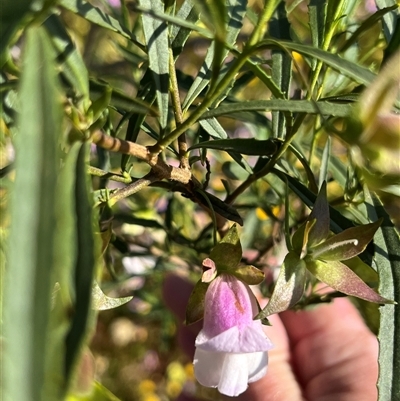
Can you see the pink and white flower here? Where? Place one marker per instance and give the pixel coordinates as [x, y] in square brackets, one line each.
[231, 349]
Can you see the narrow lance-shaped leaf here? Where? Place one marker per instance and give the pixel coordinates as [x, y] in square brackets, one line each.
[389, 19]
[320, 213]
[87, 256]
[317, 15]
[338, 276]
[27, 298]
[179, 35]
[387, 245]
[213, 128]
[289, 287]
[96, 16]
[236, 12]
[245, 146]
[352, 70]
[222, 208]
[338, 222]
[295, 106]
[71, 62]
[326, 155]
[156, 34]
[9, 23]
[281, 65]
[64, 265]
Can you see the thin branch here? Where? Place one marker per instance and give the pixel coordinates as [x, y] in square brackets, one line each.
[176, 104]
[110, 176]
[132, 188]
[160, 168]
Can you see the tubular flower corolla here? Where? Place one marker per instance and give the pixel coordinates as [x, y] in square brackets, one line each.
[231, 349]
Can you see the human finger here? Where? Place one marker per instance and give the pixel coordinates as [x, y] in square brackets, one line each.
[334, 353]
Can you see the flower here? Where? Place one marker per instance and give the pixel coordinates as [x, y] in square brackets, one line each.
[231, 349]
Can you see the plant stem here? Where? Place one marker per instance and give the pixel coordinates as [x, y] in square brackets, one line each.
[162, 169]
[132, 188]
[110, 176]
[176, 104]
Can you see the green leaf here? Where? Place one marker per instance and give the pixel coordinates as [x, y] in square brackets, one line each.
[338, 222]
[12, 14]
[147, 94]
[86, 259]
[195, 305]
[289, 287]
[156, 35]
[387, 245]
[320, 212]
[215, 17]
[101, 301]
[338, 276]
[228, 252]
[245, 146]
[389, 19]
[294, 106]
[27, 298]
[70, 60]
[248, 274]
[179, 34]
[96, 16]
[119, 100]
[236, 11]
[347, 244]
[219, 206]
[325, 159]
[281, 66]
[64, 264]
[179, 22]
[367, 24]
[317, 15]
[352, 70]
[213, 128]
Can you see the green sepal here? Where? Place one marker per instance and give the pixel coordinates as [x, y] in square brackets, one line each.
[289, 287]
[195, 305]
[341, 278]
[228, 252]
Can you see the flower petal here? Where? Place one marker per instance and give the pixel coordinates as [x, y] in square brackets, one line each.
[248, 339]
[234, 376]
[228, 303]
[257, 362]
[208, 367]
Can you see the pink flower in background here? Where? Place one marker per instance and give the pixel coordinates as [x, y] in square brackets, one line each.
[114, 3]
[231, 349]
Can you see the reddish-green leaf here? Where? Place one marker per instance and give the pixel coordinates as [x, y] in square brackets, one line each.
[347, 244]
[341, 278]
[320, 212]
[289, 287]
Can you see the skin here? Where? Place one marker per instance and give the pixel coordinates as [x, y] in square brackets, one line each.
[323, 354]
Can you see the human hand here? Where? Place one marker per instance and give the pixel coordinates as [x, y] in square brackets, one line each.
[323, 354]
